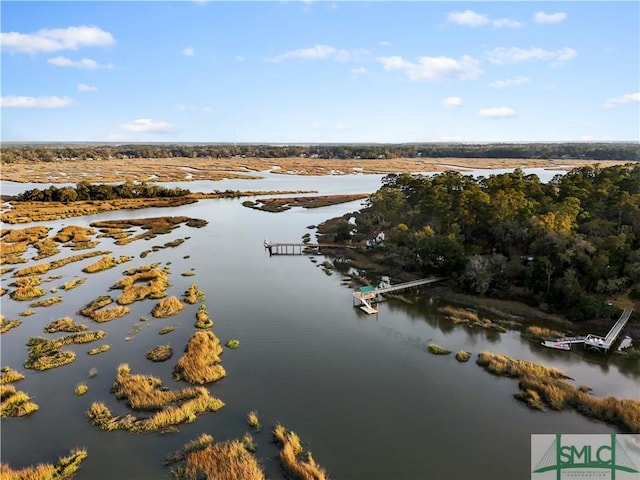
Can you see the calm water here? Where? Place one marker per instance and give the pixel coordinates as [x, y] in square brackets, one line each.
[361, 391]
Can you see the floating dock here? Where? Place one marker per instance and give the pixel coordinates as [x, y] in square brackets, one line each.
[367, 296]
[603, 344]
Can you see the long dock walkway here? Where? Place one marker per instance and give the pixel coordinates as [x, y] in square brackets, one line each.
[366, 296]
[595, 342]
[295, 248]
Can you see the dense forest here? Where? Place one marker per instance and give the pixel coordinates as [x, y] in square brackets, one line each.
[567, 246]
[586, 151]
[99, 191]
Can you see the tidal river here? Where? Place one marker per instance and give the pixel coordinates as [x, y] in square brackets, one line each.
[361, 390]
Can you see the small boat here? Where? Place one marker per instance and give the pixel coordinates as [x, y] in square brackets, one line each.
[557, 345]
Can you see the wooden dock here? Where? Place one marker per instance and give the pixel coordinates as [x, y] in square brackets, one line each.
[366, 297]
[603, 344]
[294, 248]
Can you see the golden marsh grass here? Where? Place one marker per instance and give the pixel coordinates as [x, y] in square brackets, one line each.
[46, 302]
[45, 267]
[105, 263]
[201, 362]
[543, 386]
[156, 282]
[65, 324]
[15, 403]
[296, 462]
[203, 321]
[65, 469]
[144, 392]
[100, 349]
[44, 354]
[71, 284]
[160, 353]
[229, 460]
[463, 356]
[9, 375]
[193, 294]
[167, 307]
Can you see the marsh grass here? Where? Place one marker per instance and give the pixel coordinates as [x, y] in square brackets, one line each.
[44, 354]
[144, 392]
[165, 330]
[28, 235]
[46, 247]
[188, 274]
[65, 324]
[469, 318]
[14, 403]
[45, 267]
[9, 375]
[167, 307]
[201, 362]
[81, 388]
[27, 292]
[437, 349]
[6, 325]
[70, 285]
[93, 372]
[105, 263]
[194, 295]
[463, 356]
[203, 321]
[542, 386]
[541, 333]
[253, 420]
[65, 469]
[203, 459]
[27, 313]
[296, 462]
[47, 302]
[95, 304]
[74, 234]
[108, 314]
[100, 349]
[160, 353]
[233, 343]
[156, 283]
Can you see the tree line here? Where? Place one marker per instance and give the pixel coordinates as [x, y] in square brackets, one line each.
[568, 245]
[587, 151]
[89, 191]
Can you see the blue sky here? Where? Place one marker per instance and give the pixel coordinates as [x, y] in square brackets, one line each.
[321, 71]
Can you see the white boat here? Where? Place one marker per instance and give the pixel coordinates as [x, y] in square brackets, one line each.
[557, 345]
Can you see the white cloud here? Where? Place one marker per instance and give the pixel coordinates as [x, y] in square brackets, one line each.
[188, 51]
[468, 17]
[322, 52]
[53, 40]
[434, 68]
[148, 125]
[546, 18]
[35, 102]
[452, 102]
[509, 82]
[498, 112]
[628, 98]
[473, 19]
[82, 87]
[502, 55]
[506, 22]
[85, 63]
